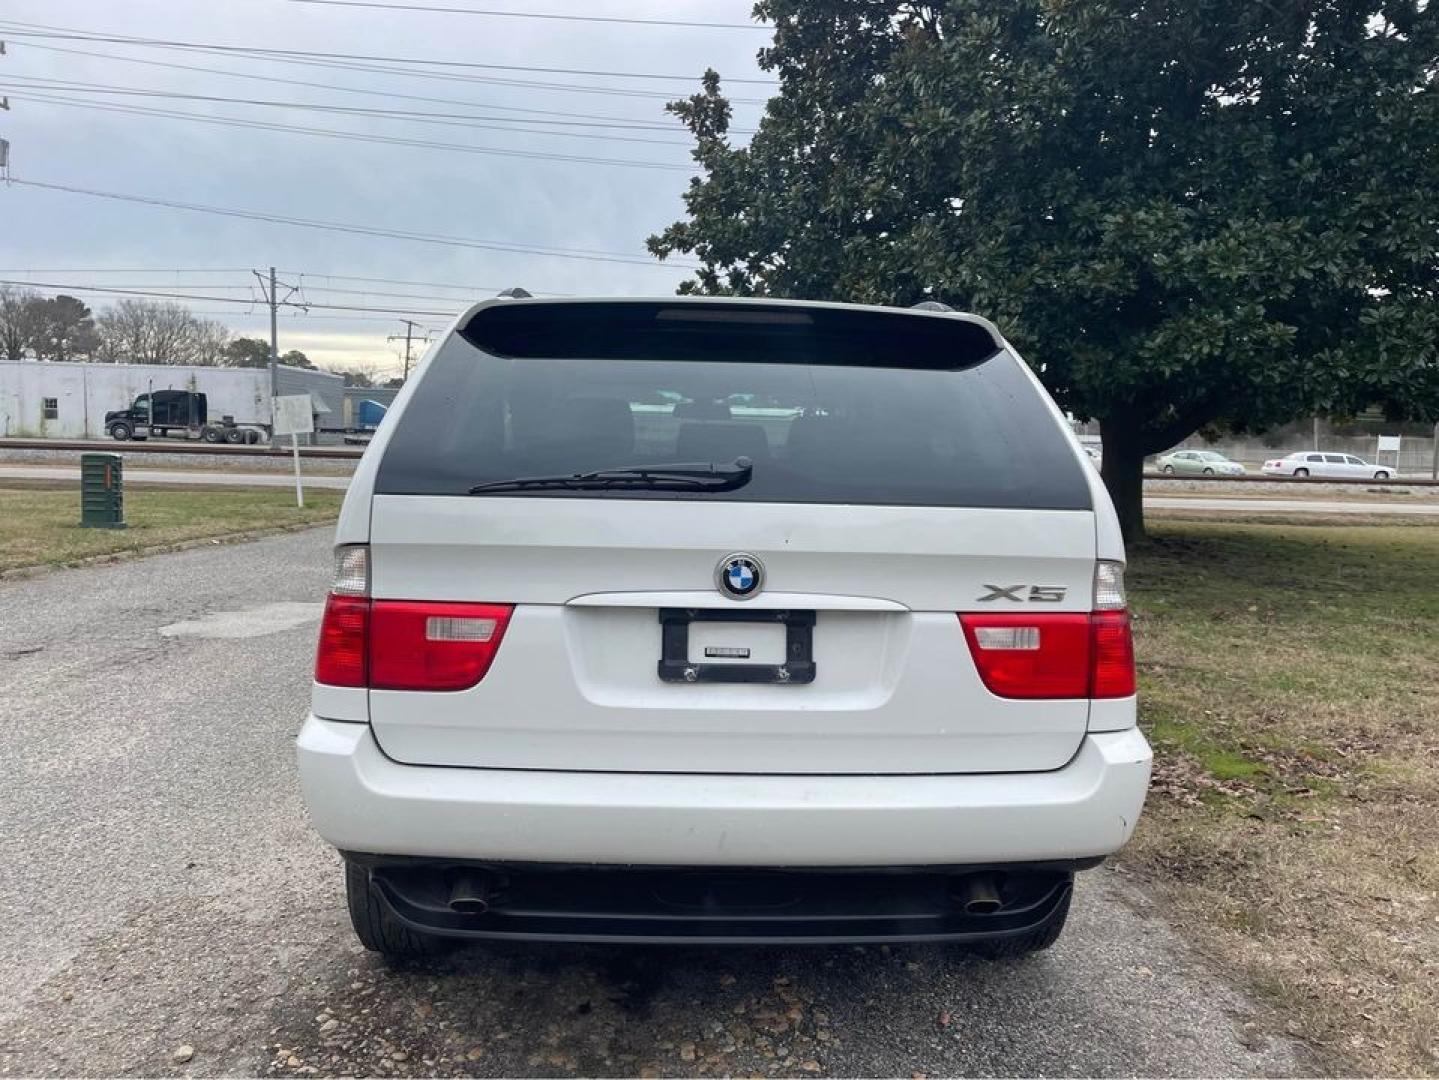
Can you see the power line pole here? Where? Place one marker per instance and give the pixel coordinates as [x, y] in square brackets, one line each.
[269, 288]
[274, 340]
[410, 327]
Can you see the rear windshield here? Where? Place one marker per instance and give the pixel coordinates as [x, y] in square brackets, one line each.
[880, 433]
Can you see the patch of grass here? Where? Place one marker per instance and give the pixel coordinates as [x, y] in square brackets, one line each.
[1290, 686]
[41, 526]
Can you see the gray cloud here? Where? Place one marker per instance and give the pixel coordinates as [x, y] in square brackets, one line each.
[510, 200]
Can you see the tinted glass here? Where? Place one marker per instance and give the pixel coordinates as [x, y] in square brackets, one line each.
[847, 433]
[1353, 461]
[1334, 459]
[1314, 457]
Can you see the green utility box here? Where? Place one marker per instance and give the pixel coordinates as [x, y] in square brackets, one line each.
[102, 492]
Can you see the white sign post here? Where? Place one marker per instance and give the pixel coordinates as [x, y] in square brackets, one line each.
[294, 415]
[1388, 444]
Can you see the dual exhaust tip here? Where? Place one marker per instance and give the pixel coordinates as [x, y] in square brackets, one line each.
[470, 892]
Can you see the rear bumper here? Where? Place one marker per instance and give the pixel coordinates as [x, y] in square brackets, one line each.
[361, 801]
[714, 906]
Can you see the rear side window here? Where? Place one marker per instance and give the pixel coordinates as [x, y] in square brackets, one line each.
[854, 413]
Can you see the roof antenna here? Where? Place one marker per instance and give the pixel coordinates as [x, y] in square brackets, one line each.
[517, 293]
[930, 305]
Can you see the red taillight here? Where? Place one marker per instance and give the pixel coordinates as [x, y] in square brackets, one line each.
[1112, 659]
[426, 645]
[341, 657]
[407, 644]
[1052, 655]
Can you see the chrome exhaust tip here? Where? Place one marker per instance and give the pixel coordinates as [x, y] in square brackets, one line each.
[470, 894]
[978, 894]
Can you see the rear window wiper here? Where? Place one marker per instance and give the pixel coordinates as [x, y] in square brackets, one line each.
[685, 476]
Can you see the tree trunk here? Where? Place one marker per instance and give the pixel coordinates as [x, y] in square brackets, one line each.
[1123, 473]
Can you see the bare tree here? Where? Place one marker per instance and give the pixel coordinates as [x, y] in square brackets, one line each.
[20, 322]
[208, 339]
[142, 332]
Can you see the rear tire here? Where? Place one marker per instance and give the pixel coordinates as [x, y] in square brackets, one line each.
[377, 929]
[1301, 473]
[1037, 940]
[1169, 470]
[234, 435]
[211, 435]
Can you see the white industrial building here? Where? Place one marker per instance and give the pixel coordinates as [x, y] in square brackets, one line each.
[69, 401]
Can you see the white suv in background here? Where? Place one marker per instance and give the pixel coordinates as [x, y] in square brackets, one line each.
[692, 620]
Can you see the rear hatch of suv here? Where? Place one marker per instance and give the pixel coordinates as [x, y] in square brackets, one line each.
[875, 473]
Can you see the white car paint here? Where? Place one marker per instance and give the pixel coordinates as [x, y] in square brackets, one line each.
[571, 748]
[1328, 464]
[359, 799]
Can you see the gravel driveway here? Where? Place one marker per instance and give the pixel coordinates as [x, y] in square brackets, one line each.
[164, 909]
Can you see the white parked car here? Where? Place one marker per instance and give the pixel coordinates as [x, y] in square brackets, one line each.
[1339, 466]
[852, 666]
[1199, 463]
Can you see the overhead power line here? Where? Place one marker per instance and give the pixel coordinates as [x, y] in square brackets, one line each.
[158, 294]
[350, 136]
[320, 275]
[324, 60]
[627, 20]
[656, 125]
[460, 120]
[403, 281]
[363, 230]
[419, 61]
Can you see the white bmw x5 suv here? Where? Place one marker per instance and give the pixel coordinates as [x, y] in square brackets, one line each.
[712, 621]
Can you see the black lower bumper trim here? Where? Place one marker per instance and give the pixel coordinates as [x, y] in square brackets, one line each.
[720, 906]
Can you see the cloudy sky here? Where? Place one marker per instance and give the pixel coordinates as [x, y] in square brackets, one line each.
[85, 113]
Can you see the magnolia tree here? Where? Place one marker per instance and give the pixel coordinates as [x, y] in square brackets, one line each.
[1183, 215]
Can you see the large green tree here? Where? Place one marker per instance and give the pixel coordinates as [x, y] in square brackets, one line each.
[1183, 214]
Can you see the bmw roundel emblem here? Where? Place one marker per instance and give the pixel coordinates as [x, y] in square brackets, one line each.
[739, 576]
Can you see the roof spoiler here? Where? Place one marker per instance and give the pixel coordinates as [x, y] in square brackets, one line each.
[750, 332]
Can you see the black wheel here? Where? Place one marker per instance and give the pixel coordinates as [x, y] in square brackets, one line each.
[377, 929]
[252, 437]
[1301, 472]
[1037, 940]
[1169, 469]
[212, 435]
[234, 435]
[1381, 475]
[120, 432]
[1208, 472]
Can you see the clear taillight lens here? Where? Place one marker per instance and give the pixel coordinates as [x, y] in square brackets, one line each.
[1109, 586]
[352, 571]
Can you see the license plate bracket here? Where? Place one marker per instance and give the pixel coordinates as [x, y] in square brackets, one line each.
[675, 664]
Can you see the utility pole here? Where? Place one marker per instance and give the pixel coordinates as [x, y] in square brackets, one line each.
[410, 327]
[269, 288]
[274, 340]
[4, 143]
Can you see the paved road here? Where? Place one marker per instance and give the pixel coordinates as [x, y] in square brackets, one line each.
[1153, 502]
[160, 889]
[134, 475]
[1290, 506]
